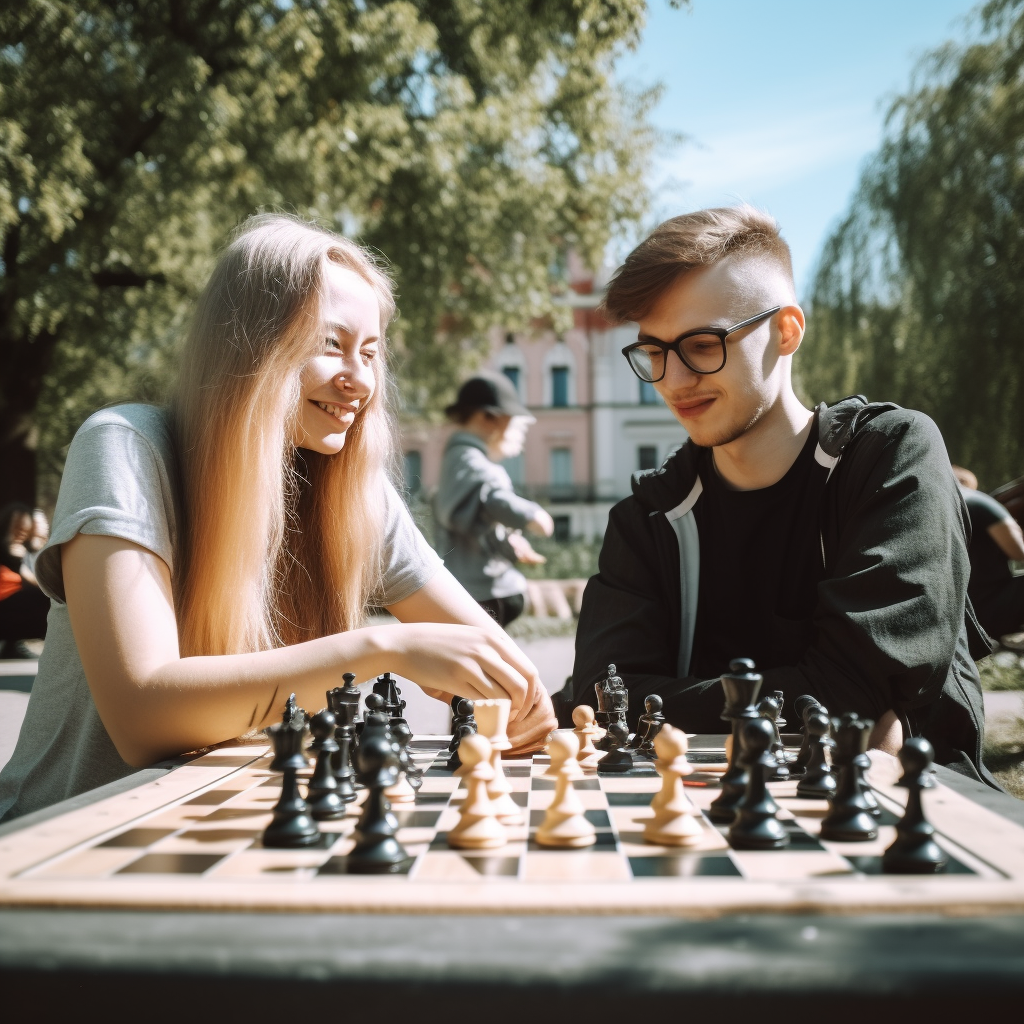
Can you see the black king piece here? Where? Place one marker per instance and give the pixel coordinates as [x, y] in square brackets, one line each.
[741, 684]
[612, 703]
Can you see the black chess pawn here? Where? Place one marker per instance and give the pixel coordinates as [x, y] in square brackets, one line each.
[292, 713]
[376, 715]
[652, 721]
[376, 850]
[756, 825]
[454, 762]
[292, 824]
[618, 759]
[612, 705]
[803, 705]
[770, 709]
[850, 819]
[344, 704]
[915, 852]
[818, 782]
[322, 795]
[740, 684]
[462, 714]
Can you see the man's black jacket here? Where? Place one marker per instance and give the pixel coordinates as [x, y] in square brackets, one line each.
[892, 627]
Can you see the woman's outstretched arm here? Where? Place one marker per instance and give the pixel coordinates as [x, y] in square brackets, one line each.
[444, 599]
[154, 703]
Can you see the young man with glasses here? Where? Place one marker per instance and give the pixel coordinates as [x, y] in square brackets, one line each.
[828, 544]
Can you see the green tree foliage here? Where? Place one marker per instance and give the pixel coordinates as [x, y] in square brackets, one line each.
[919, 296]
[471, 143]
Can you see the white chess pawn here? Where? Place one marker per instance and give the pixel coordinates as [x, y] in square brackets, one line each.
[587, 731]
[675, 820]
[564, 823]
[478, 828]
[491, 723]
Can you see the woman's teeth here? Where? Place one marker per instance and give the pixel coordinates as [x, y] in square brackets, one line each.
[334, 410]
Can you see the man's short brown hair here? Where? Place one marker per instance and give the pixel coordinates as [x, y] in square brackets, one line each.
[685, 243]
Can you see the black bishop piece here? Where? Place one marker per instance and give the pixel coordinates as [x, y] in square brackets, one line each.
[740, 684]
[343, 702]
[322, 795]
[915, 851]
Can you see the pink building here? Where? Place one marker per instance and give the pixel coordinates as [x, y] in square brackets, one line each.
[596, 425]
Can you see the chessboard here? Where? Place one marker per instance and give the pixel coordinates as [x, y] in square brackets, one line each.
[192, 840]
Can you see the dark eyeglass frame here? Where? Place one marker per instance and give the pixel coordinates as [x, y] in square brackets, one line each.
[676, 346]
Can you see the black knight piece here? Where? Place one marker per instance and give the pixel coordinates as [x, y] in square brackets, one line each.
[618, 759]
[915, 851]
[612, 704]
[756, 826]
[770, 709]
[343, 702]
[818, 782]
[454, 762]
[402, 736]
[850, 820]
[322, 795]
[291, 825]
[803, 705]
[376, 851]
[651, 723]
[740, 684]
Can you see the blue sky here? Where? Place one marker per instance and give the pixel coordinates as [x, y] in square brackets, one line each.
[781, 101]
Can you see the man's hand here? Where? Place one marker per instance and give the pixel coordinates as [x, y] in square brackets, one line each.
[524, 550]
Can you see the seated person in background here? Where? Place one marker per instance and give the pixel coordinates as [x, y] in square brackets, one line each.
[827, 544]
[23, 606]
[207, 560]
[479, 515]
[997, 595]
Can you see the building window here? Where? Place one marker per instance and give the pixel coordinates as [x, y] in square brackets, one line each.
[647, 456]
[562, 528]
[514, 467]
[561, 467]
[648, 396]
[512, 372]
[559, 386]
[412, 472]
[510, 338]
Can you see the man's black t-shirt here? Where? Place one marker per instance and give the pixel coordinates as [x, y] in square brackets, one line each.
[989, 566]
[760, 564]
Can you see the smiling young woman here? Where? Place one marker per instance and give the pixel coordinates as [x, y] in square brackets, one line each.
[210, 558]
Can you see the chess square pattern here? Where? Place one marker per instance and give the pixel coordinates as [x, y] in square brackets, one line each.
[193, 839]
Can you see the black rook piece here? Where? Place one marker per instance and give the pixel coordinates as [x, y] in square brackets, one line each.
[292, 713]
[291, 825]
[322, 794]
[618, 759]
[740, 684]
[850, 820]
[344, 704]
[915, 851]
[612, 703]
[388, 689]
[818, 782]
[377, 851]
[756, 826]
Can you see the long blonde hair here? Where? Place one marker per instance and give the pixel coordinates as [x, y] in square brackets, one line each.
[277, 546]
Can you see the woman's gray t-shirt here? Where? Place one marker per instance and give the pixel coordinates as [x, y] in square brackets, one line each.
[119, 481]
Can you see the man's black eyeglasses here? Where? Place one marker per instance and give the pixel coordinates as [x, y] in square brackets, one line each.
[702, 350]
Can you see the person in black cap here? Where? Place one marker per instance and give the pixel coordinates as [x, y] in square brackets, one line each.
[479, 515]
